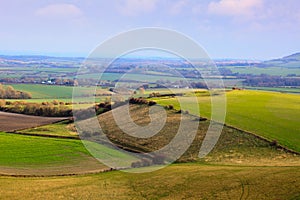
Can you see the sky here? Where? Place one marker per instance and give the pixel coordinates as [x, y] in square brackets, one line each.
[242, 29]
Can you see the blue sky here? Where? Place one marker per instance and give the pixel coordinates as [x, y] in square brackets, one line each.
[253, 29]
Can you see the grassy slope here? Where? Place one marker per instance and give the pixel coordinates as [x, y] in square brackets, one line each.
[63, 128]
[38, 155]
[20, 151]
[180, 181]
[269, 114]
[233, 147]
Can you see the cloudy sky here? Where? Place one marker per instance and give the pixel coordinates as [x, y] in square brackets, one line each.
[255, 29]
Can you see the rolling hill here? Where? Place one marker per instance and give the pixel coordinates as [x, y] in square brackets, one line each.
[291, 61]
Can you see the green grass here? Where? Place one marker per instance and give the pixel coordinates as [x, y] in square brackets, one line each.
[45, 91]
[39, 91]
[269, 114]
[277, 89]
[60, 129]
[31, 151]
[233, 144]
[20, 151]
[48, 93]
[179, 181]
[275, 71]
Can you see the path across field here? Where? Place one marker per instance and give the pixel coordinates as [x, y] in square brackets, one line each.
[13, 121]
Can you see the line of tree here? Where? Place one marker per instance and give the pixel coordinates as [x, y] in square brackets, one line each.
[45, 109]
[9, 92]
[141, 101]
[271, 81]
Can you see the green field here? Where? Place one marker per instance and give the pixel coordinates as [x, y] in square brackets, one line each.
[47, 91]
[63, 128]
[277, 89]
[241, 166]
[20, 151]
[43, 155]
[269, 114]
[274, 71]
[228, 150]
[179, 181]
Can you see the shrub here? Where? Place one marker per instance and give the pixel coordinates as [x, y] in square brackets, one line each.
[179, 111]
[146, 162]
[10, 93]
[136, 164]
[2, 102]
[158, 159]
[171, 107]
[274, 143]
[151, 103]
[55, 102]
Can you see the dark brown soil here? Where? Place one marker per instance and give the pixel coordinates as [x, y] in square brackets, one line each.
[12, 121]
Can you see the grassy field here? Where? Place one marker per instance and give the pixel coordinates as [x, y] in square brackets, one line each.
[269, 114]
[48, 93]
[45, 91]
[277, 89]
[241, 166]
[34, 155]
[63, 128]
[179, 181]
[274, 71]
[233, 147]
[63, 93]
[19, 151]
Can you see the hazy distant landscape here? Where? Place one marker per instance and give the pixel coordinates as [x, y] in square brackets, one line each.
[257, 92]
[272, 74]
[148, 99]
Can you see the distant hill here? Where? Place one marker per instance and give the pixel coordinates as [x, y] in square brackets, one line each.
[245, 145]
[291, 61]
[293, 57]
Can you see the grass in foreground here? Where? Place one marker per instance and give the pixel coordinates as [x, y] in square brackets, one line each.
[180, 181]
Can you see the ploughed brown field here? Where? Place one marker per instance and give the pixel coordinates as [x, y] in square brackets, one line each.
[13, 121]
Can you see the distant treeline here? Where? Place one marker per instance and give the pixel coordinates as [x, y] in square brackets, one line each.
[45, 109]
[39, 80]
[10, 93]
[271, 81]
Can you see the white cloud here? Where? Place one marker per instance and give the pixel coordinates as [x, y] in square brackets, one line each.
[235, 7]
[177, 7]
[59, 11]
[136, 7]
